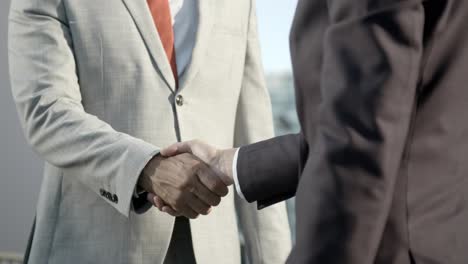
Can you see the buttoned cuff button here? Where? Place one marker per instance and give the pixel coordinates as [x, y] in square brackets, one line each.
[115, 199]
[111, 197]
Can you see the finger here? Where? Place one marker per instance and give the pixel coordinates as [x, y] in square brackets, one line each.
[198, 205]
[159, 202]
[167, 209]
[212, 181]
[163, 207]
[188, 212]
[170, 151]
[176, 149]
[204, 194]
[181, 206]
[150, 198]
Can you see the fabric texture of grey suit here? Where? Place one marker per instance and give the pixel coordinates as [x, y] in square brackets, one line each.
[379, 169]
[96, 97]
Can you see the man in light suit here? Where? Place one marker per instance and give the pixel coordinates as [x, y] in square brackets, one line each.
[379, 170]
[100, 86]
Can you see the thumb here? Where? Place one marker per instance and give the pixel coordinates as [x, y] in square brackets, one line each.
[176, 149]
[170, 151]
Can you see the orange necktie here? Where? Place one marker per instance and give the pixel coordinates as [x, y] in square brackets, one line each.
[161, 13]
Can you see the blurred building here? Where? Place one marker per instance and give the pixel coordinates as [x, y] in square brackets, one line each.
[281, 87]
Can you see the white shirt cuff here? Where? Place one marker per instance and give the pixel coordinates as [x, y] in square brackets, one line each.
[234, 175]
[137, 192]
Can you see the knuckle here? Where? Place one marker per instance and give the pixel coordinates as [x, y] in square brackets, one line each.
[180, 185]
[164, 196]
[196, 166]
[186, 156]
[175, 207]
[178, 202]
[192, 170]
[185, 183]
[211, 184]
[176, 161]
[214, 189]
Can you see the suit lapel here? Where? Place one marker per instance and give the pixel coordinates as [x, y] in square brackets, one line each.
[205, 13]
[142, 17]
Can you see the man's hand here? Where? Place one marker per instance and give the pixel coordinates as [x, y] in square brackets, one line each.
[220, 161]
[184, 182]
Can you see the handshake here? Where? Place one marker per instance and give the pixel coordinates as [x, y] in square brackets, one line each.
[188, 178]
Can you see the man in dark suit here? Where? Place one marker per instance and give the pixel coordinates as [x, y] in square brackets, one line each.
[379, 168]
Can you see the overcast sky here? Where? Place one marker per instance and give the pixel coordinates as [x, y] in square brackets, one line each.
[275, 18]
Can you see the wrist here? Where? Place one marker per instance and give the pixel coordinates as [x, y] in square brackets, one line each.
[226, 160]
[144, 181]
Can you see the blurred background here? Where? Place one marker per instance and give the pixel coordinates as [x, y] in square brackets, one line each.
[21, 169]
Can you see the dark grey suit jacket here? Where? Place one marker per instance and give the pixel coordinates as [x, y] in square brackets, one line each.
[380, 169]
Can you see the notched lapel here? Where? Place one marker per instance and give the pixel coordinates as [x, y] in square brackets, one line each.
[202, 41]
[142, 17]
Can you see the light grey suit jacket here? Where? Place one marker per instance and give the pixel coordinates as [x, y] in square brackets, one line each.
[96, 97]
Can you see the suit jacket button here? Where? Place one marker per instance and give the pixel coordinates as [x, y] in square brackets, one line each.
[179, 100]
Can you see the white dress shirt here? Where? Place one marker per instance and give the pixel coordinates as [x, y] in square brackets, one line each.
[185, 24]
[234, 175]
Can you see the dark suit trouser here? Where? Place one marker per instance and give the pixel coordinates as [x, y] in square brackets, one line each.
[180, 249]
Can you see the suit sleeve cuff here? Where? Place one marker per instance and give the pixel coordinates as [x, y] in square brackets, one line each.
[139, 154]
[137, 192]
[234, 175]
[140, 204]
